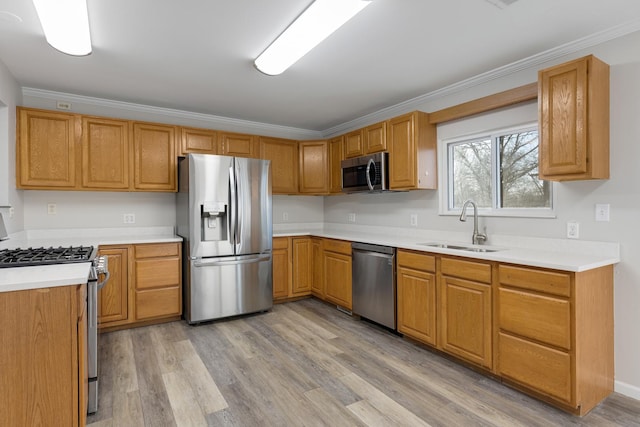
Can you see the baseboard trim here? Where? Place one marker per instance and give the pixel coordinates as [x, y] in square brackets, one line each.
[627, 389]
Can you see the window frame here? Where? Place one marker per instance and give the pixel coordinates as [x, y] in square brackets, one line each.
[445, 190]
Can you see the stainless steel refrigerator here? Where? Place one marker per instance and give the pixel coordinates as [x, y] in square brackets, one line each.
[223, 213]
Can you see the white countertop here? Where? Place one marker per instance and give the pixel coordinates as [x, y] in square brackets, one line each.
[22, 278]
[559, 254]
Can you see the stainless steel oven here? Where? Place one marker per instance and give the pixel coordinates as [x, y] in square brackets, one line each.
[366, 173]
[99, 270]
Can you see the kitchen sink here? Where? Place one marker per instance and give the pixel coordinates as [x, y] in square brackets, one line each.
[458, 247]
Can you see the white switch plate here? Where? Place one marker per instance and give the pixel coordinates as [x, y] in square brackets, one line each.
[12, 212]
[129, 218]
[573, 230]
[414, 220]
[602, 212]
[352, 217]
[52, 209]
[285, 216]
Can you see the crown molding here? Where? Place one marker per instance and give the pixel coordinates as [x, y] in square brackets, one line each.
[215, 122]
[533, 61]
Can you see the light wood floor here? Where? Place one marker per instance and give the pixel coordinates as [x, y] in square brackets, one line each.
[306, 363]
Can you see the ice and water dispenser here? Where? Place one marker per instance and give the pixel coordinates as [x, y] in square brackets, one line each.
[214, 217]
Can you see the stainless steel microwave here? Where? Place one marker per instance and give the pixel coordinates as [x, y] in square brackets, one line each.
[366, 173]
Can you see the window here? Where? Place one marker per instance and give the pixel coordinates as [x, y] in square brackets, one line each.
[499, 171]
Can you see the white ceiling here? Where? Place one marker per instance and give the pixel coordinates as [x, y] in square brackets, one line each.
[197, 55]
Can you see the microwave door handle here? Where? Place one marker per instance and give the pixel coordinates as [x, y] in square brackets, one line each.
[370, 163]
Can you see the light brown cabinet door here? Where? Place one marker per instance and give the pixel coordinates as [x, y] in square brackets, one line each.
[353, 144]
[302, 266]
[336, 156]
[203, 141]
[337, 278]
[238, 145]
[317, 282]
[375, 138]
[283, 154]
[314, 167]
[105, 153]
[154, 157]
[47, 147]
[281, 267]
[113, 298]
[466, 320]
[573, 104]
[417, 304]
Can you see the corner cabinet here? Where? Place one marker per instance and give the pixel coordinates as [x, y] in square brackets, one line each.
[314, 167]
[412, 146]
[573, 103]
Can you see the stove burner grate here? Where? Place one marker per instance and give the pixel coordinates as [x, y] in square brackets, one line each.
[45, 256]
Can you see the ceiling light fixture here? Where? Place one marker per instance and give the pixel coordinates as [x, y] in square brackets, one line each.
[315, 24]
[66, 25]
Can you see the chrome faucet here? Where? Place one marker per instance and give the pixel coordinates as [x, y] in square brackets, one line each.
[478, 238]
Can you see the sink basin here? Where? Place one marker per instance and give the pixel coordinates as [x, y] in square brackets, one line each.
[458, 247]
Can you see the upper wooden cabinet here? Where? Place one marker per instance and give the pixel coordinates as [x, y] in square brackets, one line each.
[47, 149]
[105, 153]
[238, 145]
[314, 167]
[336, 156]
[412, 146]
[375, 138]
[154, 157]
[283, 154]
[573, 104]
[354, 144]
[194, 140]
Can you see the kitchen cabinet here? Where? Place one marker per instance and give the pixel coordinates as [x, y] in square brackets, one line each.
[154, 157]
[354, 144]
[336, 156]
[105, 154]
[317, 282]
[302, 273]
[314, 167]
[281, 267]
[412, 144]
[157, 281]
[283, 154]
[337, 272]
[293, 268]
[238, 145]
[203, 141]
[556, 334]
[47, 149]
[416, 295]
[43, 356]
[573, 106]
[466, 319]
[375, 138]
[113, 298]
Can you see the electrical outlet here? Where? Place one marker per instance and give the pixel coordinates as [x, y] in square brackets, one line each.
[602, 212]
[12, 212]
[352, 217]
[573, 230]
[129, 218]
[52, 209]
[285, 216]
[414, 220]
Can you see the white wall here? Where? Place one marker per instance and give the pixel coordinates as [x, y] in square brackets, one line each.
[10, 96]
[298, 209]
[575, 201]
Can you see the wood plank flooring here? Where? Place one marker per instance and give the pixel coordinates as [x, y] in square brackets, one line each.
[307, 364]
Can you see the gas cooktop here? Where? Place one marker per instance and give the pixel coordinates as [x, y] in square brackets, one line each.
[46, 256]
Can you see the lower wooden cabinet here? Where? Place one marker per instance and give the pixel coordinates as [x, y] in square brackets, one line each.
[416, 296]
[337, 272]
[317, 281]
[145, 285]
[43, 357]
[281, 263]
[293, 267]
[466, 314]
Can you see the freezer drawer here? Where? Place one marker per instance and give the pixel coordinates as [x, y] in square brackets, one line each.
[228, 286]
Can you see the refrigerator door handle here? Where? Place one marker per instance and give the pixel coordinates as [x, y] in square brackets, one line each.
[239, 208]
[235, 261]
[233, 214]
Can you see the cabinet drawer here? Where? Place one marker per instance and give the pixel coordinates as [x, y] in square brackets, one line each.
[476, 271]
[542, 318]
[417, 260]
[159, 272]
[157, 250]
[536, 366]
[280, 243]
[339, 246]
[158, 303]
[550, 282]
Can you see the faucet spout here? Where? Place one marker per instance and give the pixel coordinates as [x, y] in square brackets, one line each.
[477, 238]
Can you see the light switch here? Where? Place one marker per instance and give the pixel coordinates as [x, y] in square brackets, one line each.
[602, 212]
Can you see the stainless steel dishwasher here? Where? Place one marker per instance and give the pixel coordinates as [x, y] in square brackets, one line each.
[374, 283]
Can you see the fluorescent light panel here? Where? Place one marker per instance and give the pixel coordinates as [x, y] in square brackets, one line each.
[65, 24]
[315, 24]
